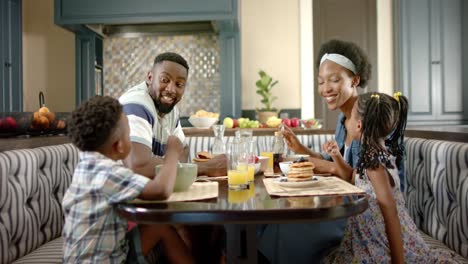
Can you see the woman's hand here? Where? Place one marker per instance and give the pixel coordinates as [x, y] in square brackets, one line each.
[331, 148]
[292, 141]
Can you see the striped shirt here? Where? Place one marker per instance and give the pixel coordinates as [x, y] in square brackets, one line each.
[93, 231]
[146, 127]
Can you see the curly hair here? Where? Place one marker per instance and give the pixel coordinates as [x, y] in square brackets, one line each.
[352, 52]
[93, 122]
[171, 56]
[383, 116]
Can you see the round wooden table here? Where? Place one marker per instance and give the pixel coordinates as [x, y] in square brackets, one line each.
[239, 212]
[239, 208]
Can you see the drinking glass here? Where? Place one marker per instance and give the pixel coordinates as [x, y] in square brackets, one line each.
[237, 166]
[218, 145]
[268, 154]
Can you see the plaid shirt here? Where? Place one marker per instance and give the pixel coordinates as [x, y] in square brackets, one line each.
[93, 231]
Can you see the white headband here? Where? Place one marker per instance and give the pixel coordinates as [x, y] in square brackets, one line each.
[339, 59]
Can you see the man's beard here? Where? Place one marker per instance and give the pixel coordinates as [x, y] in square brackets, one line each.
[163, 108]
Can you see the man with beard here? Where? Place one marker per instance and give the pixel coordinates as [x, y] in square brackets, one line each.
[153, 116]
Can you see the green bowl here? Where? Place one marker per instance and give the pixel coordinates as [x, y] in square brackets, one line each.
[186, 175]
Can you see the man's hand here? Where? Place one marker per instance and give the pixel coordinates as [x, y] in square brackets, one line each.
[217, 166]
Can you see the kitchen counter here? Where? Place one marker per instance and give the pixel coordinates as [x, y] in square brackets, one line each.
[449, 133]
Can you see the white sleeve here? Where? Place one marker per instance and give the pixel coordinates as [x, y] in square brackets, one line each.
[140, 131]
[178, 132]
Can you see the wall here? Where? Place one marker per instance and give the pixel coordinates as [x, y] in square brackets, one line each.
[48, 59]
[385, 50]
[127, 60]
[270, 41]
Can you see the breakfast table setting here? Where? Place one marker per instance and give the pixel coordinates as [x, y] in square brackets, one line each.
[209, 200]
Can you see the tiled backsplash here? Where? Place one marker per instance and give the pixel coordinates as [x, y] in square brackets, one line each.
[127, 61]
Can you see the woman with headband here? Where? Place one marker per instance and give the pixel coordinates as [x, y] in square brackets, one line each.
[343, 67]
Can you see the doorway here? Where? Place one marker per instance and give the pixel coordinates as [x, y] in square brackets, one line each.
[349, 20]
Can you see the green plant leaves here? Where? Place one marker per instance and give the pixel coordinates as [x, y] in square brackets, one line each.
[264, 86]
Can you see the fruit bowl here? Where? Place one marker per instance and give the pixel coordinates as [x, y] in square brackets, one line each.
[202, 122]
[14, 123]
[312, 123]
[48, 124]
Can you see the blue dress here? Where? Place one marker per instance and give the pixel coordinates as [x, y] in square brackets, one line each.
[309, 242]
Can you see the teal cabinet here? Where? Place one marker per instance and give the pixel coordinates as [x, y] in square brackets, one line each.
[142, 11]
[89, 65]
[433, 48]
[11, 84]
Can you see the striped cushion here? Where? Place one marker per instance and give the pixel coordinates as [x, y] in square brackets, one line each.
[437, 245]
[437, 190]
[51, 252]
[32, 185]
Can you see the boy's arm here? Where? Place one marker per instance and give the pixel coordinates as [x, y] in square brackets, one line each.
[381, 183]
[160, 187]
[142, 161]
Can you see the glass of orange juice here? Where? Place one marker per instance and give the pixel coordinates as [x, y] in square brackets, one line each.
[268, 154]
[250, 167]
[238, 196]
[237, 179]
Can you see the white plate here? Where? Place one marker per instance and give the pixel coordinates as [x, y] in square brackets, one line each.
[282, 181]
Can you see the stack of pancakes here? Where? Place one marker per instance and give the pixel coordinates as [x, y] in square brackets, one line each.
[301, 171]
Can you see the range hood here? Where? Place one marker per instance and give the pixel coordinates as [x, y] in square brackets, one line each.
[175, 28]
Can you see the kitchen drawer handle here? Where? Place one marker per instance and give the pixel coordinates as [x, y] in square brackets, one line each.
[435, 62]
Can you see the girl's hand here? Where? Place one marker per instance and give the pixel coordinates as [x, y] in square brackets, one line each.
[291, 140]
[331, 148]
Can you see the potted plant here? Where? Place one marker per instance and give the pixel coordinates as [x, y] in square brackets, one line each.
[264, 86]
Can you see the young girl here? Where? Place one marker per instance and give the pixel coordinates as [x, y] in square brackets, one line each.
[385, 232]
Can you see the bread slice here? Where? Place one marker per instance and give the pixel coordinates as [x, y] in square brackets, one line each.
[200, 160]
[204, 155]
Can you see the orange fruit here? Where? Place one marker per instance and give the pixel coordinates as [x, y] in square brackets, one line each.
[44, 110]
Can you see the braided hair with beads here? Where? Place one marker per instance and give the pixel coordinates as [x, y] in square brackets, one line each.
[383, 117]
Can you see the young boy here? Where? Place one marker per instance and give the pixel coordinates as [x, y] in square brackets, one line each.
[93, 230]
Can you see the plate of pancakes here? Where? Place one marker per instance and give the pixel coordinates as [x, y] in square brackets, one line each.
[300, 174]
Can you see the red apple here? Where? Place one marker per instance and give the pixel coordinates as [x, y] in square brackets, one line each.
[286, 121]
[295, 122]
[236, 123]
[8, 124]
[256, 159]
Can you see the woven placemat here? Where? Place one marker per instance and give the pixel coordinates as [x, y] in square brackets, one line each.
[198, 191]
[325, 186]
[217, 178]
[271, 174]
